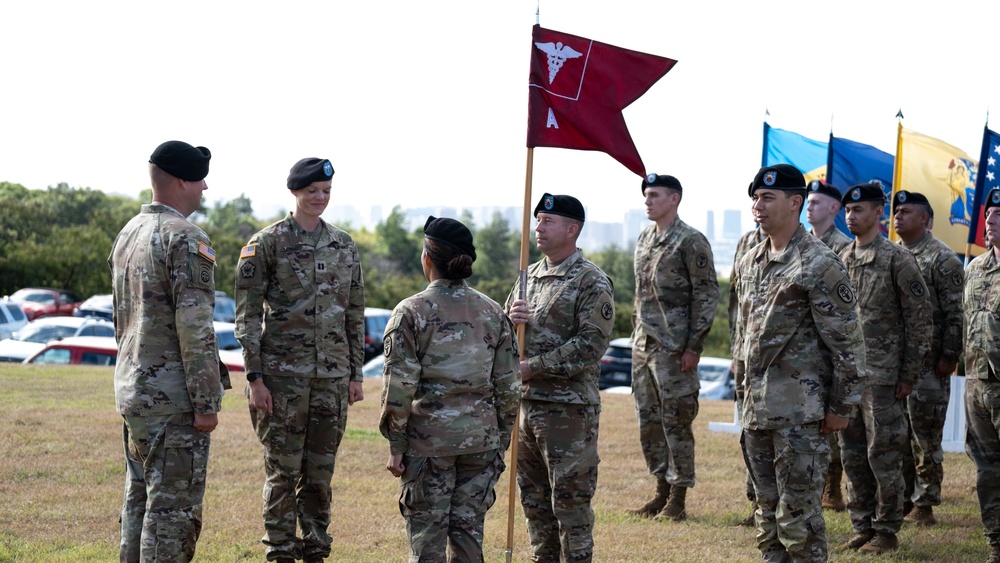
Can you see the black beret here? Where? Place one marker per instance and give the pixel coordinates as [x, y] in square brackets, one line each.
[565, 205]
[778, 177]
[661, 181]
[903, 196]
[452, 233]
[872, 191]
[307, 171]
[182, 160]
[818, 187]
[992, 199]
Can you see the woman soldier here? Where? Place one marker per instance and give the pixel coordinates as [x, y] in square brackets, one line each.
[300, 307]
[449, 399]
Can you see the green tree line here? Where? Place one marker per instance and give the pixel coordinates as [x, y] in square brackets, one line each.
[61, 237]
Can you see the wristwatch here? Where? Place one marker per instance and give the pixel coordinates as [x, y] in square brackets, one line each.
[254, 376]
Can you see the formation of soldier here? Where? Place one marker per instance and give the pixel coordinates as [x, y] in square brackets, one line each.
[837, 344]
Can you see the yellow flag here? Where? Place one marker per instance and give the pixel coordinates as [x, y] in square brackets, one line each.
[946, 175]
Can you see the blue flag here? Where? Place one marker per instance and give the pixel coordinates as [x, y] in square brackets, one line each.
[850, 163]
[785, 147]
[986, 180]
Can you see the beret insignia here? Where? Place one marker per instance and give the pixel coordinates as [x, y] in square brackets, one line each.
[770, 178]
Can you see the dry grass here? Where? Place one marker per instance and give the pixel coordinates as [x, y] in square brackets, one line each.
[61, 480]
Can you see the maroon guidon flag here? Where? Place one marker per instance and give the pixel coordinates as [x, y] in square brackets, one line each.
[578, 88]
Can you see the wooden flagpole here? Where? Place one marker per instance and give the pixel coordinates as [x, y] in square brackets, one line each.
[522, 294]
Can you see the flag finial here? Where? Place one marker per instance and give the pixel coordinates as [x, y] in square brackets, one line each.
[899, 114]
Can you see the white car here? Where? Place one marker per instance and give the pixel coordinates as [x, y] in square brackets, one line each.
[33, 337]
[12, 318]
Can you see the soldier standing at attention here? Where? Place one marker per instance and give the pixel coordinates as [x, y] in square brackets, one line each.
[822, 206]
[928, 403]
[805, 357]
[982, 360]
[168, 385]
[896, 319]
[676, 296]
[300, 317]
[450, 391]
[569, 314]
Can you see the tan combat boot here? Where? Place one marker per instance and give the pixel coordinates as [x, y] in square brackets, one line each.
[833, 498]
[856, 542]
[921, 516]
[881, 543]
[659, 501]
[675, 506]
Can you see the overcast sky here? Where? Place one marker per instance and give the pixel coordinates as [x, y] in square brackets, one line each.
[425, 103]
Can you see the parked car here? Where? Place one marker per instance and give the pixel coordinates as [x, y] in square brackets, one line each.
[35, 335]
[38, 302]
[78, 350]
[373, 367]
[717, 381]
[616, 365]
[12, 318]
[230, 351]
[97, 306]
[375, 321]
[225, 307]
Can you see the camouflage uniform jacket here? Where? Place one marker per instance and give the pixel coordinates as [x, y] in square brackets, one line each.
[310, 298]
[944, 278]
[163, 276]
[835, 239]
[981, 303]
[451, 378]
[572, 313]
[749, 240]
[802, 342]
[894, 310]
[677, 289]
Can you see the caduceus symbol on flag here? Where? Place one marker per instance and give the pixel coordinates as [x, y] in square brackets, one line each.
[557, 53]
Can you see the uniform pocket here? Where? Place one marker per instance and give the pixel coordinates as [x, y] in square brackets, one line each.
[178, 457]
[411, 491]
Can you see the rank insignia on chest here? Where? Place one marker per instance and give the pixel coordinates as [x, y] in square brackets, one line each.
[320, 266]
[206, 251]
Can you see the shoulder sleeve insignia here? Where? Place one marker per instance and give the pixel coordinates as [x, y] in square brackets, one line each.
[702, 260]
[206, 251]
[956, 278]
[917, 288]
[607, 311]
[248, 251]
[845, 293]
[248, 270]
[387, 344]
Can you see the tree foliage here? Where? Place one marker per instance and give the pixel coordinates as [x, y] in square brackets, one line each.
[61, 237]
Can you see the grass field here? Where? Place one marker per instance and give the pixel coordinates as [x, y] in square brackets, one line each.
[62, 476]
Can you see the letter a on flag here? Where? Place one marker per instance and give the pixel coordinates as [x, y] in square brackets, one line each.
[577, 90]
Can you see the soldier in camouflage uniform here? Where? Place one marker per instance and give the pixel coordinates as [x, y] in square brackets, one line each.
[928, 403]
[300, 307]
[822, 207]
[449, 399]
[896, 318]
[677, 294]
[749, 240]
[168, 384]
[804, 353]
[568, 314]
[981, 304]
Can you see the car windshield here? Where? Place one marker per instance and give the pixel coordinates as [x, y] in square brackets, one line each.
[44, 333]
[712, 373]
[43, 297]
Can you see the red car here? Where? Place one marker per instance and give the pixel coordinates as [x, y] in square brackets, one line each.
[78, 350]
[39, 302]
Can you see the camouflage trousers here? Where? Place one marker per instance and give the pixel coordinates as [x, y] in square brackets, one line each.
[557, 476]
[872, 449]
[444, 501]
[739, 371]
[166, 461]
[665, 420]
[923, 469]
[982, 443]
[789, 466]
[300, 437]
